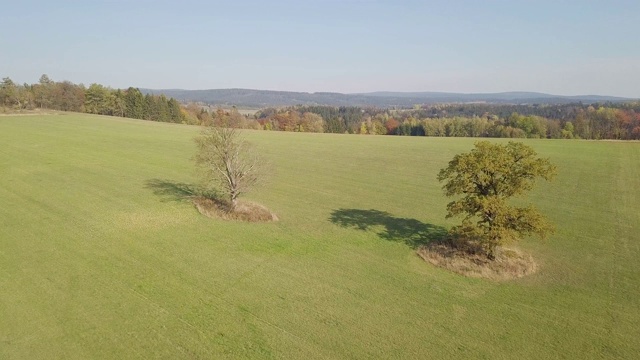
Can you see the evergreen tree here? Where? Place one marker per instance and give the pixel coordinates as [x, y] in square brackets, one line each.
[134, 103]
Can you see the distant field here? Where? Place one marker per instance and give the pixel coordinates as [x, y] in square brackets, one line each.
[100, 259]
[243, 111]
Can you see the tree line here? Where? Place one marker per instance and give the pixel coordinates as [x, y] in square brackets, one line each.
[600, 121]
[585, 121]
[96, 99]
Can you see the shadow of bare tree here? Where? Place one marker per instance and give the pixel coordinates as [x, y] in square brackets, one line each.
[410, 231]
[173, 191]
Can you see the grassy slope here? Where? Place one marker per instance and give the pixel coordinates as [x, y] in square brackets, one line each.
[95, 263]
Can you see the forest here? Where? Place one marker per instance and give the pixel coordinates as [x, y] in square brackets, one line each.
[607, 120]
[619, 121]
[96, 99]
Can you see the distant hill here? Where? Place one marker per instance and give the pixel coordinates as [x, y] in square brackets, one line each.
[264, 98]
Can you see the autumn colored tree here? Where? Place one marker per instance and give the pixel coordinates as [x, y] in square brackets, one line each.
[235, 119]
[204, 117]
[487, 177]
[67, 96]
[312, 122]
[228, 162]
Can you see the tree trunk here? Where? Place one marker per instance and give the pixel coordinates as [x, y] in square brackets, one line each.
[234, 202]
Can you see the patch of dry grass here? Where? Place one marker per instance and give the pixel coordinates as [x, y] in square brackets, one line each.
[508, 263]
[7, 111]
[244, 211]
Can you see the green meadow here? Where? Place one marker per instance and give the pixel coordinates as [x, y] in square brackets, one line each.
[103, 257]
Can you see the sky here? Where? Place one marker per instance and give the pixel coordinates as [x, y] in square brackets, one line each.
[561, 47]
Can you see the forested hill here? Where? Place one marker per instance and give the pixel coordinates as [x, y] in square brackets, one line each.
[265, 98]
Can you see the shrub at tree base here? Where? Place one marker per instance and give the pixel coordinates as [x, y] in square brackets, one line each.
[244, 210]
[507, 263]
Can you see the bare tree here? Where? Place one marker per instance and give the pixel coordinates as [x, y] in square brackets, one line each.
[228, 162]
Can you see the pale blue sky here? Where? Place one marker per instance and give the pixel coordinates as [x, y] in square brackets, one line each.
[560, 47]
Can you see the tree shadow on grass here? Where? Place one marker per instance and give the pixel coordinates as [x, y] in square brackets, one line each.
[209, 202]
[410, 231]
[169, 190]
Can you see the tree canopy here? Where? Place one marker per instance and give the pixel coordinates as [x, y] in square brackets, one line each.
[487, 177]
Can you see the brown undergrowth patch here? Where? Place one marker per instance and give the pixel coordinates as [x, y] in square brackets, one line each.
[508, 263]
[244, 211]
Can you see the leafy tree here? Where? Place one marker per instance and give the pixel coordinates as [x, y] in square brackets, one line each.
[96, 100]
[567, 131]
[378, 128]
[363, 128]
[118, 103]
[67, 96]
[42, 91]
[26, 97]
[229, 163]
[204, 117]
[8, 92]
[487, 177]
[391, 124]
[312, 122]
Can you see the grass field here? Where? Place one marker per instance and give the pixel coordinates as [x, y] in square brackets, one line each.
[101, 257]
